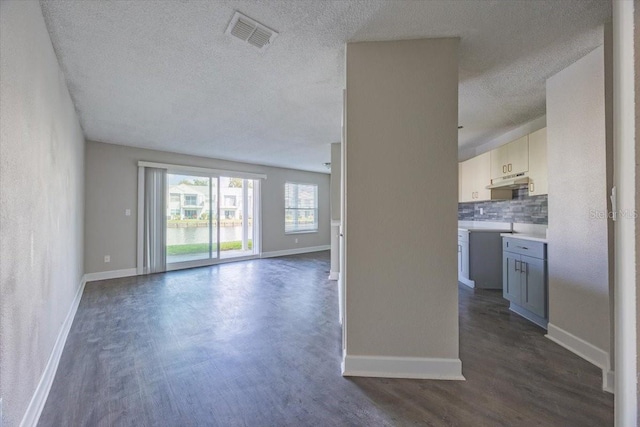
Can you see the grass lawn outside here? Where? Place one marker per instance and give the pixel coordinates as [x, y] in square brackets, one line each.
[198, 248]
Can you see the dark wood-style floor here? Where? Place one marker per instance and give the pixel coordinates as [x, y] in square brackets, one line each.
[257, 343]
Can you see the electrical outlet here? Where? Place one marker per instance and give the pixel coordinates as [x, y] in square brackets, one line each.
[481, 211]
[107, 258]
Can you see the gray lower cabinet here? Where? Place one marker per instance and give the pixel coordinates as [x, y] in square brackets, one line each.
[524, 278]
[480, 258]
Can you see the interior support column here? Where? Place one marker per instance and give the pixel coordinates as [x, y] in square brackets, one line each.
[400, 184]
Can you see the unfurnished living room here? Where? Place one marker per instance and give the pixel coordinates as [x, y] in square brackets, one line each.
[243, 213]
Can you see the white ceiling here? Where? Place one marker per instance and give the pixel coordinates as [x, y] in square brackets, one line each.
[163, 75]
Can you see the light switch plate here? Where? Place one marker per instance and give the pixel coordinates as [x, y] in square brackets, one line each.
[127, 212]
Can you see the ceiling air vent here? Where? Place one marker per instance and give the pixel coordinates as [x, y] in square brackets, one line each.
[251, 31]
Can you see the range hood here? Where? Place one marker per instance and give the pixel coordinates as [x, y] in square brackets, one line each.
[509, 182]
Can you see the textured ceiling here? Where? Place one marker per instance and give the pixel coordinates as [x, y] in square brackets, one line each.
[163, 75]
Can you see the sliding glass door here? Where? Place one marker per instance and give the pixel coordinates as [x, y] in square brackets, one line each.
[236, 217]
[191, 222]
[209, 218]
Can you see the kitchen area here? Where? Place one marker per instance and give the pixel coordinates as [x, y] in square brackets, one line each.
[536, 211]
[502, 224]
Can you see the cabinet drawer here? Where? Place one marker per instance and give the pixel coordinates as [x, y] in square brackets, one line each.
[524, 247]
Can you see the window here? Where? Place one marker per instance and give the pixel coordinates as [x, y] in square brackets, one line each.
[229, 200]
[175, 198]
[190, 214]
[190, 199]
[300, 207]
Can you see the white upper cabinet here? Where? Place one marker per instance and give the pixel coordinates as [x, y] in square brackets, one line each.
[526, 155]
[518, 156]
[538, 183]
[465, 186]
[499, 161]
[511, 158]
[474, 175]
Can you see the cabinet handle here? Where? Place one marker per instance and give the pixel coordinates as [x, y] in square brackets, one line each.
[509, 167]
[504, 168]
[523, 247]
[515, 264]
[531, 187]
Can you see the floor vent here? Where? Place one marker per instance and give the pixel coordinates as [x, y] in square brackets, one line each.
[251, 31]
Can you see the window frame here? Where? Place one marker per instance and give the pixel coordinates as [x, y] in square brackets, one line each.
[315, 208]
[189, 197]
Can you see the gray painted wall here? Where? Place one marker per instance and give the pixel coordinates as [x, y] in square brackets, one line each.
[578, 197]
[41, 198]
[111, 187]
[401, 203]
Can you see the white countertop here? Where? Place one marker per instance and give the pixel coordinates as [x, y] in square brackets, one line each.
[524, 236]
[483, 229]
[487, 226]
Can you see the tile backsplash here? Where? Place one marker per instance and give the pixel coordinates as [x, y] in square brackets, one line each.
[522, 208]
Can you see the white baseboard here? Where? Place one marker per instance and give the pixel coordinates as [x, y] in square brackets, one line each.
[582, 348]
[295, 251]
[334, 275]
[113, 274]
[608, 381]
[470, 283]
[532, 317]
[39, 398]
[402, 367]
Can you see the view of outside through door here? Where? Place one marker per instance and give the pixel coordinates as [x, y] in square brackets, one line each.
[236, 217]
[202, 211]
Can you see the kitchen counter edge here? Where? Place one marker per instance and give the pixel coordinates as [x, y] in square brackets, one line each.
[524, 236]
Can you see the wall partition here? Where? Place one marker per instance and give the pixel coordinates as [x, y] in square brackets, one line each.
[207, 216]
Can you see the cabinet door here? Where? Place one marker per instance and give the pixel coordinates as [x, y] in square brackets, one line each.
[466, 182]
[518, 156]
[459, 182]
[538, 171]
[499, 157]
[511, 277]
[534, 292]
[482, 178]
